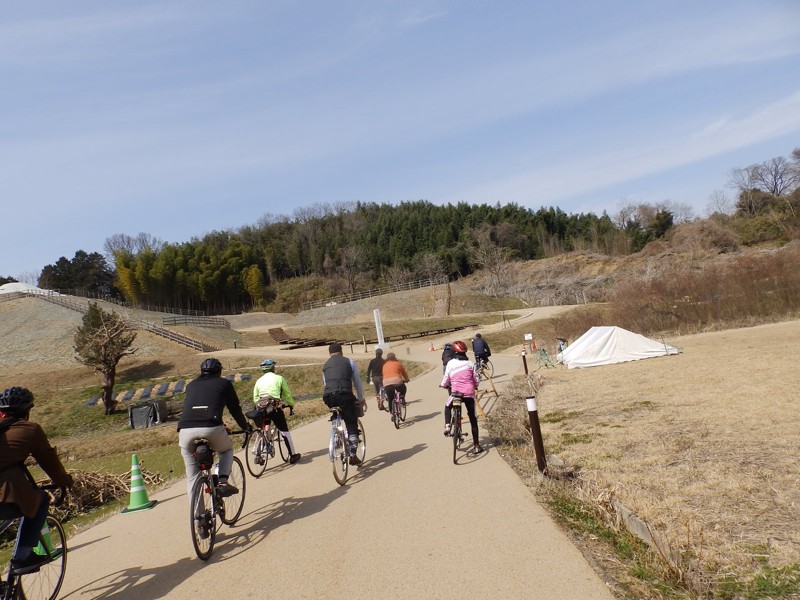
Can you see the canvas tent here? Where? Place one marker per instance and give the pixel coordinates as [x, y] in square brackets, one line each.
[610, 345]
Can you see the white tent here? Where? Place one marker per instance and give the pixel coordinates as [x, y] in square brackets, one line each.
[610, 345]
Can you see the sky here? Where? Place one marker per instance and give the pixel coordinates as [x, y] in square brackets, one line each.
[180, 118]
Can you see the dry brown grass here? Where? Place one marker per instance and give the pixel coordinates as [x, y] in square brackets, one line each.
[702, 446]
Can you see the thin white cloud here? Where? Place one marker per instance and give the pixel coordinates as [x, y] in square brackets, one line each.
[420, 18]
[592, 172]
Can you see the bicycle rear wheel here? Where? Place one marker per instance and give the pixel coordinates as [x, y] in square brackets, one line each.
[403, 410]
[232, 505]
[341, 456]
[396, 412]
[256, 456]
[202, 520]
[361, 449]
[455, 431]
[45, 583]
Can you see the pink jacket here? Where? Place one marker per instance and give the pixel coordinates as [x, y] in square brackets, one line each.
[459, 375]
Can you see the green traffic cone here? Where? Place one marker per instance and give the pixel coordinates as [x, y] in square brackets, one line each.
[139, 500]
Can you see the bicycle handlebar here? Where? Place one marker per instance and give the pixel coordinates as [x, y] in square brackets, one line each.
[58, 499]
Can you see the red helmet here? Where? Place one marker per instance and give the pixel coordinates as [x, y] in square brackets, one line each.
[459, 347]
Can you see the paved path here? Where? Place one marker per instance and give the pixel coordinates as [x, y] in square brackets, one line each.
[408, 524]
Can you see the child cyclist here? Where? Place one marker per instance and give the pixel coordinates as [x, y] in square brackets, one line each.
[459, 376]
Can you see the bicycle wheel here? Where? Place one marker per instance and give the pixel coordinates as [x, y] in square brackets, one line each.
[396, 412]
[341, 456]
[46, 582]
[384, 399]
[232, 505]
[202, 520]
[256, 456]
[361, 449]
[403, 411]
[283, 446]
[488, 367]
[455, 431]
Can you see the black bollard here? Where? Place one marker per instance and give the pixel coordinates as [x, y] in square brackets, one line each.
[536, 433]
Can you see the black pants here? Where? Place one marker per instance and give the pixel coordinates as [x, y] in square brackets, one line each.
[350, 410]
[278, 417]
[469, 404]
[391, 389]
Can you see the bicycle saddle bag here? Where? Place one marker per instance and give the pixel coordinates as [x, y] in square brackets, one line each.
[203, 455]
[257, 415]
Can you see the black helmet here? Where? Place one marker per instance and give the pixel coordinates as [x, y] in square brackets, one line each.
[378, 352]
[477, 335]
[267, 365]
[17, 400]
[210, 366]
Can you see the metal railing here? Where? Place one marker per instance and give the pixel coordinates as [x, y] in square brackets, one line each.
[198, 320]
[67, 302]
[387, 289]
[113, 300]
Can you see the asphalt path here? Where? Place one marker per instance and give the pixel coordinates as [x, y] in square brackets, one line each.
[408, 524]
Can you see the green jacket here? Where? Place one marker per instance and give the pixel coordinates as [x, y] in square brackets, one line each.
[273, 385]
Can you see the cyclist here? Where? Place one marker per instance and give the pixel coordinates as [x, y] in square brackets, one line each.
[206, 398]
[340, 377]
[394, 377]
[481, 348]
[19, 497]
[375, 375]
[459, 376]
[271, 386]
[447, 354]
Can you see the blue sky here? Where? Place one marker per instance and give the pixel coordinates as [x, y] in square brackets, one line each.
[179, 118]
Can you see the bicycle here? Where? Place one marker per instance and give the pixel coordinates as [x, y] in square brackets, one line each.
[207, 503]
[261, 443]
[397, 407]
[339, 445]
[484, 369]
[455, 423]
[45, 582]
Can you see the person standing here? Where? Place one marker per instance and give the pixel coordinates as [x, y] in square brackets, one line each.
[271, 386]
[459, 376]
[20, 438]
[375, 375]
[340, 379]
[206, 398]
[394, 378]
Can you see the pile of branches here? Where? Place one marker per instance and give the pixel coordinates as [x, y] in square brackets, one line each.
[93, 490]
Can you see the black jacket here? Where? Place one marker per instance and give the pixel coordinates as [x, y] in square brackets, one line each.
[206, 398]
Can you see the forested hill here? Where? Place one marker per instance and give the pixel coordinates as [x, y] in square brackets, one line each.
[353, 247]
[323, 251]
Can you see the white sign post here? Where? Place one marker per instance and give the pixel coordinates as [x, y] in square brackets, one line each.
[378, 326]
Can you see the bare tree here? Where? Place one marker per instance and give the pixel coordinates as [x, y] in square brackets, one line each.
[398, 276]
[100, 342]
[429, 266]
[492, 257]
[352, 263]
[776, 176]
[720, 203]
[120, 242]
